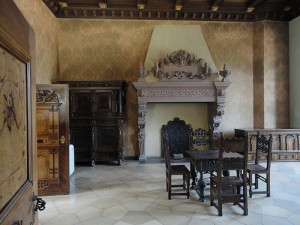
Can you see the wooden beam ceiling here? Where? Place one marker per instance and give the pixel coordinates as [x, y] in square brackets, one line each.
[206, 10]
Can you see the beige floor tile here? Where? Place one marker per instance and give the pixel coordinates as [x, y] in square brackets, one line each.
[89, 213]
[135, 194]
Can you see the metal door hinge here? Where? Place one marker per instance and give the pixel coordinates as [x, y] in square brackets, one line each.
[62, 139]
[40, 203]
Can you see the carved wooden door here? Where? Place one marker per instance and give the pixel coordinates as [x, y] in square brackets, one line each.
[52, 113]
[17, 122]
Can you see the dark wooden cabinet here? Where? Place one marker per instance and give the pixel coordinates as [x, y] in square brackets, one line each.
[285, 142]
[96, 120]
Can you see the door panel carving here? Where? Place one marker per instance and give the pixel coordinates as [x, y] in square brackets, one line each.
[53, 149]
[17, 148]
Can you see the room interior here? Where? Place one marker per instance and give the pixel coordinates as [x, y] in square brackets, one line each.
[260, 51]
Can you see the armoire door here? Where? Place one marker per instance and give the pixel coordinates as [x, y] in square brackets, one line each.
[52, 119]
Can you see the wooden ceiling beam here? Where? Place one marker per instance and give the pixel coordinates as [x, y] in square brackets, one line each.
[252, 4]
[215, 5]
[141, 4]
[178, 4]
[247, 10]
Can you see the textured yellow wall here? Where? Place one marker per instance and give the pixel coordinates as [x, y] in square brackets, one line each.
[113, 49]
[271, 75]
[294, 55]
[44, 25]
[276, 70]
[84, 49]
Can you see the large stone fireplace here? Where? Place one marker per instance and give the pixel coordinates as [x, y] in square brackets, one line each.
[183, 79]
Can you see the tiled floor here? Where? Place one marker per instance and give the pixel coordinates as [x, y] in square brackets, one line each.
[134, 194]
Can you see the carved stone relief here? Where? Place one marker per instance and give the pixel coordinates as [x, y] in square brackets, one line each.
[181, 65]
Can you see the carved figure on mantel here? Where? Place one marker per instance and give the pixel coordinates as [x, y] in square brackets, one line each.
[181, 65]
[225, 73]
[142, 72]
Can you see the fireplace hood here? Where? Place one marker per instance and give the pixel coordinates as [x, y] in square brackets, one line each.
[180, 76]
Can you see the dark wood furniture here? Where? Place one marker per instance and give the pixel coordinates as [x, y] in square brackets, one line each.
[225, 10]
[261, 172]
[226, 189]
[52, 120]
[285, 142]
[175, 170]
[97, 113]
[179, 137]
[202, 161]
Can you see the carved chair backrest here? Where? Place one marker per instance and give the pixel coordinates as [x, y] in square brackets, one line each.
[178, 135]
[200, 139]
[228, 153]
[263, 147]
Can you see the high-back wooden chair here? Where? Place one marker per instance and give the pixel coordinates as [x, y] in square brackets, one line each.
[226, 189]
[175, 170]
[260, 169]
[178, 134]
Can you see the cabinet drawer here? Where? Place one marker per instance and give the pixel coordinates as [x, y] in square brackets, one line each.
[287, 156]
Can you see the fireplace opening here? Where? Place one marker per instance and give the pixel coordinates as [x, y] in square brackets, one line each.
[159, 114]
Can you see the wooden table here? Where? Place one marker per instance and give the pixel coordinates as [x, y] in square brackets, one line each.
[202, 161]
[205, 161]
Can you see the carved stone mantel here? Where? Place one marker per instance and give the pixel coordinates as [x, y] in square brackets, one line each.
[212, 92]
[182, 78]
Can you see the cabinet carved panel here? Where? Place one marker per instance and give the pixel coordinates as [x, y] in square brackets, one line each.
[47, 117]
[52, 142]
[96, 120]
[285, 142]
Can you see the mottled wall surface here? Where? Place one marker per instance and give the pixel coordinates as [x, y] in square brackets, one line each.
[258, 74]
[231, 43]
[276, 79]
[113, 49]
[294, 55]
[44, 25]
[271, 75]
[84, 49]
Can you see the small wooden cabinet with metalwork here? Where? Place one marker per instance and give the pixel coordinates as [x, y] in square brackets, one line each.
[96, 120]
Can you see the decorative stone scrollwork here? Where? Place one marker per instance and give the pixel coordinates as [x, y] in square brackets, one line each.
[181, 65]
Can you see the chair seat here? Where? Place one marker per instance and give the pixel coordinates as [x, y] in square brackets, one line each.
[233, 180]
[256, 168]
[225, 189]
[179, 170]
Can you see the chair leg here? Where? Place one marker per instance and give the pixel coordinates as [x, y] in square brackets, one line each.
[167, 182]
[256, 181]
[169, 186]
[250, 185]
[245, 198]
[183, 180]
[268, 184]
[188, 186]
[220, 205]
